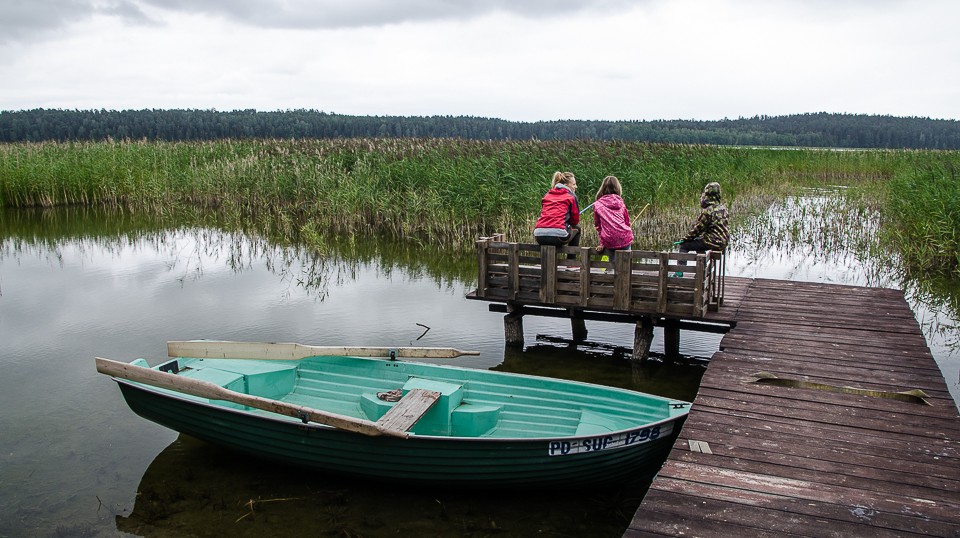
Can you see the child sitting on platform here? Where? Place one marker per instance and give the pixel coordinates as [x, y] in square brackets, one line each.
[711, 232]
[611, 218]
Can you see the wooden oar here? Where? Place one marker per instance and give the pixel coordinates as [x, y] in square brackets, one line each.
[205, 389]
[209, 349]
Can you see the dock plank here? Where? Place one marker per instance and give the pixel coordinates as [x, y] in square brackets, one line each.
[797, 461]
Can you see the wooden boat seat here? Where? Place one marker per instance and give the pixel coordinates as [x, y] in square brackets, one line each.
[410, 409]
[448, 416]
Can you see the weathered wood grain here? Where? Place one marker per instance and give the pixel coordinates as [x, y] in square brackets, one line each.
[797, 461]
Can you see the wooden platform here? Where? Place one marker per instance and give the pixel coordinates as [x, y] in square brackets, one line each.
[578, 279]
[763, 460]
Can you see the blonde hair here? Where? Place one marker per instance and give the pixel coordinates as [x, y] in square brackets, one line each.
[610, 185]
[562, 178]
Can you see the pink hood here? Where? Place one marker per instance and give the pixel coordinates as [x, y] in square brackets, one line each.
[612, 221]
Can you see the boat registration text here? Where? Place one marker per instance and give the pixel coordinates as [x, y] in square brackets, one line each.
[607, 442]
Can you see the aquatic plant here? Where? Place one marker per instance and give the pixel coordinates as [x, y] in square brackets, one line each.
[923, 214]
[447, 192]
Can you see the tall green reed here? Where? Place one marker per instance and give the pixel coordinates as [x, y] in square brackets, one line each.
[923, 214]
[444, 191]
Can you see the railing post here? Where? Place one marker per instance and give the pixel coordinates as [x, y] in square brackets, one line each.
[513, 271]
[621, 279]
[584, 275]
[662, 288]
[698, 285]
[723, 273]
[482, 266]
[548, 274]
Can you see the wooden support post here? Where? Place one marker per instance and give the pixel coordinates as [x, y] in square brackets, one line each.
[642, 338]
[513, 327]
[698, 309]
[621, 279]
[578, 327]
[482, 267]
[548, 274]
[513, 271]
[584, 275]
[723, 273]
[662, 288]
[671, 339]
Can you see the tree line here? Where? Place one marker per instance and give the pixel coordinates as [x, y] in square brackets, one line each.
[810, 130]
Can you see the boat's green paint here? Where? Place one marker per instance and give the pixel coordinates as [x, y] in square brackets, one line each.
[489, 429]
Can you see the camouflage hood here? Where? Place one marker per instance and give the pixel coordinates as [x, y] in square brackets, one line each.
[711, 194]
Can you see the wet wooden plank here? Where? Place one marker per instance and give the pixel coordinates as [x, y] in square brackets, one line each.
[808, 490]
[782, 513]
[411, 408]
[805, 462]
[842, 459]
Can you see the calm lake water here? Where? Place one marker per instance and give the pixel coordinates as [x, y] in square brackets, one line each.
[75, 461]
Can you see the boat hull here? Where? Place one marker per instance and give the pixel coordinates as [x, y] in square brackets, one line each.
[446, 461]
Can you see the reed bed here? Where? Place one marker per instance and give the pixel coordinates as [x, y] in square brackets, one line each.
[923, 214]
[444, 192]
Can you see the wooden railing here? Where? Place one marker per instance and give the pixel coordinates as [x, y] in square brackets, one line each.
[634, 281]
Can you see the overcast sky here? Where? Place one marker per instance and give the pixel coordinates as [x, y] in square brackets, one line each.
[523, 60]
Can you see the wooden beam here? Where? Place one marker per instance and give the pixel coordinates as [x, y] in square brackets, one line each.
[411, 408]
[642, 338]
[662, 287]
[698, 283]
[209, 349]
[548, 274]
[482, 267]
[714, 327]
[584, 275]
[205, 389]
[513, 271]
[621, 280]
[513, 328]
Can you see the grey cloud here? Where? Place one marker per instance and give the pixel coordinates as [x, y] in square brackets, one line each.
[129, 12]
[354, 13]
[22, 19]
[28, 20]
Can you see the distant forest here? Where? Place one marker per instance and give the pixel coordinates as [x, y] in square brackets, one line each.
[812, 130]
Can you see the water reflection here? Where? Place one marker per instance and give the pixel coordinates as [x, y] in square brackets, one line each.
[196, 489]
[80, 282]
[602, 363]
[74, 456]
[831, 235]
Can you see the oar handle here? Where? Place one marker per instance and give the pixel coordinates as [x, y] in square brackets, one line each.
[210, 349]
[211, 391]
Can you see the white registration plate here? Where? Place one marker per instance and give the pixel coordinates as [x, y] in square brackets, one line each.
[607, 442]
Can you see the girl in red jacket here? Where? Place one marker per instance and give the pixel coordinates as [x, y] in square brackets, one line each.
[560, 216]
[611, 218]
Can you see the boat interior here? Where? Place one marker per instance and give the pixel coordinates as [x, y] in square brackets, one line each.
[472, 403]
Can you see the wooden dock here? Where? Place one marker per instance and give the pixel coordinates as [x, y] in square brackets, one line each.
[642, 287]
[768, 459]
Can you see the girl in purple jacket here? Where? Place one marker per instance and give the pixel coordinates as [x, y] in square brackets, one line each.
[611, 218]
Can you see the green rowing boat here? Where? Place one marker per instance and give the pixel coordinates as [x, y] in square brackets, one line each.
[389, 419]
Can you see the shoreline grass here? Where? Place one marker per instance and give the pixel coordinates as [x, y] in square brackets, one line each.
[449, 191]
